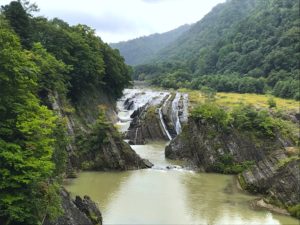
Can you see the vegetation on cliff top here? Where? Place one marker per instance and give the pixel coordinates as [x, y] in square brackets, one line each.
[266, 121]
[228, 100]
[39, 59]
[246, 118]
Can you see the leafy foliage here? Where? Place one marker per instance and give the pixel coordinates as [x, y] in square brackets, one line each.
[249, 46]
[40, 59]
[53, 72]
[97, 134]
[295, 210]
[242, 117]
[271, 103]
[19, 20]
[212, 113]
[227, 165]
[26, 140]
[248, 118]
[91, 62]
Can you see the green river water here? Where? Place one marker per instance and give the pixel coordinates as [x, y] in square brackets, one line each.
[176, 196]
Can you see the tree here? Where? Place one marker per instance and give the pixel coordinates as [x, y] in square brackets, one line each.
[26, 141]
[19, 20]
[53, 72]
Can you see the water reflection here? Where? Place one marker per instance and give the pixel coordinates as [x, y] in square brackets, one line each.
[161, 196]
[102, 187]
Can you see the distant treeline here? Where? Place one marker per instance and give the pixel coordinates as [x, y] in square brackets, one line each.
[240, 46]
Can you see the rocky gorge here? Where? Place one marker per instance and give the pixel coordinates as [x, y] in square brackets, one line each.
[113, 153]
[156, 115]
[264, 164]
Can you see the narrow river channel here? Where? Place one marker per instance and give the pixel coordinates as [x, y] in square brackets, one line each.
[169, 196]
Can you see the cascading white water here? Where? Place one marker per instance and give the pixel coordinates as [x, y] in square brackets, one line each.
[135, 196]
[162, 119]
[136, 134]
[163, 124]
[175, 115]
[140, 97]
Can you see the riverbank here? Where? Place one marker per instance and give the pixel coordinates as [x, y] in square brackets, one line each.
[153, 195]
[170, 196]
[258, 142]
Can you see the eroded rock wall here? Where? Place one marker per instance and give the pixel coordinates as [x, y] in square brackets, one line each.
[160, 118]
[271, 172]
[77, 212]
[79, 118]
[277, 179]
[204, 145]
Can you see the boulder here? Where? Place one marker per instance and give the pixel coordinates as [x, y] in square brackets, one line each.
[78, 212]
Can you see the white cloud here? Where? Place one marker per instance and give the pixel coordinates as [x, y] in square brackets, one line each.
[117, 20]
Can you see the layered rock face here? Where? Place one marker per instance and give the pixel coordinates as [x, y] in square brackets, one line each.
[275, 177]
[114, 154]
[145, 126]
[79, 212]
[271, 171]
[155, 115]
[204, 146]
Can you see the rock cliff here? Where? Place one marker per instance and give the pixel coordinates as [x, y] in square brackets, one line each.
[158, 118]
[277, 176]
[80, 117]
[77, 212]
[205, 147]
[264, 164]
[145, 126]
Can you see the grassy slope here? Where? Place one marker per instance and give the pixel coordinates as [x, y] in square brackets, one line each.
[233, 99]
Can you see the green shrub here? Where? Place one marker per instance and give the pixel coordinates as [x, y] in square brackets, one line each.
[209, 93]
[212, 113]
[295, 210]
[87, 165]
[227, 165]
[246, 117]
[97, 135]
[272, 103]
[282, 163]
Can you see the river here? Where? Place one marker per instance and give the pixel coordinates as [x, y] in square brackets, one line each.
[168, 196]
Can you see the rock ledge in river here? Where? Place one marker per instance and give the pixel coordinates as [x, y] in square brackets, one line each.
[79, 212]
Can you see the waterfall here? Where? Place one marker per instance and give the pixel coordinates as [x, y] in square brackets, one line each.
[175, 116]
[136, 134]
[163, 124]
[162, 119]
[165, 103]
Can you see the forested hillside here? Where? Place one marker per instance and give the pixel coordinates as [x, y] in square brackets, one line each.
[240, 46]
[142, 50]
[39, 59]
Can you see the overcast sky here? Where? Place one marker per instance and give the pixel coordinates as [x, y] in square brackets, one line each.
[119, 20]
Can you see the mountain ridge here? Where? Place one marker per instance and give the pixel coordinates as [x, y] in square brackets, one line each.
[143, 49]
[249, 46]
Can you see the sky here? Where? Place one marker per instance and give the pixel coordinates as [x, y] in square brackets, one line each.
[121, 20]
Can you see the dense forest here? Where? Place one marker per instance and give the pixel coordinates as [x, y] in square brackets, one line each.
[40, 57]
[142, 50]
[249, 46]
